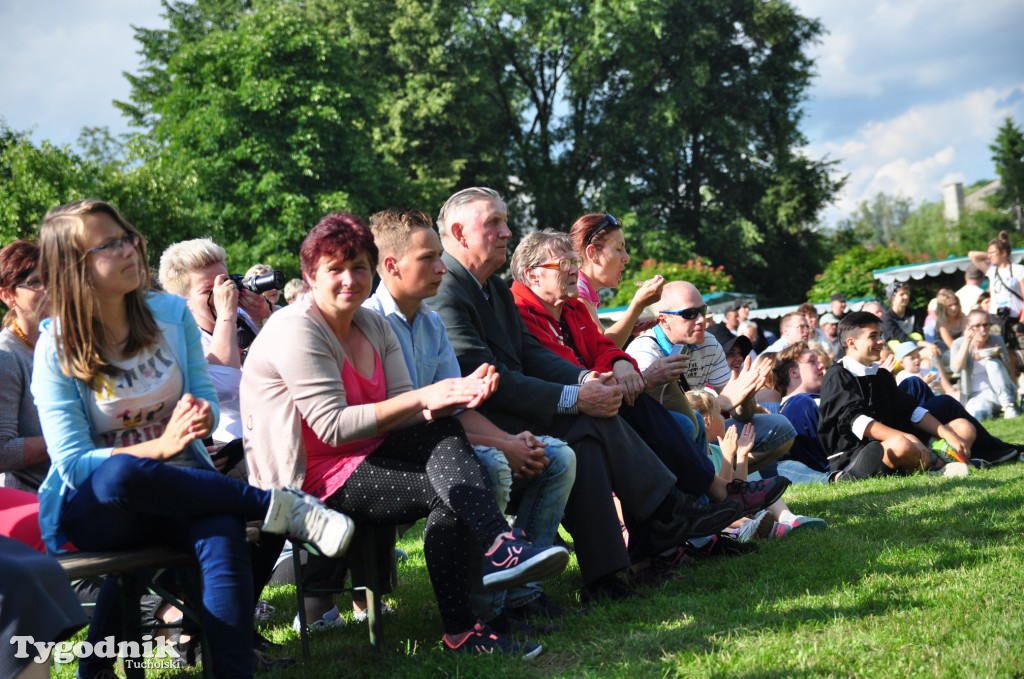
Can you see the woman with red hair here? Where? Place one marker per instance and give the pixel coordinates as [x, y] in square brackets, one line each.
[337, 415]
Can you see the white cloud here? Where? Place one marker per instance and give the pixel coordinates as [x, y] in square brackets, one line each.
[914, 153]
[871, 48]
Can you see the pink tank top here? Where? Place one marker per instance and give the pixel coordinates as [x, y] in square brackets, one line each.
[328, 467]
[587, 292]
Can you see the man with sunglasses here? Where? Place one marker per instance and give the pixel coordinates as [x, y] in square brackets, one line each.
[677, 355]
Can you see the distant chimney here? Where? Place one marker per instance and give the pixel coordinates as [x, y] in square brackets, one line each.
[953, 201]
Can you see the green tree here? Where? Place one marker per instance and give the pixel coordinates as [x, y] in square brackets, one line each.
[1008, 155]
[850, 273]
[34, 179]
[702, 274]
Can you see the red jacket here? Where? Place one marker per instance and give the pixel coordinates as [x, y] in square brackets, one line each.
[598, 352]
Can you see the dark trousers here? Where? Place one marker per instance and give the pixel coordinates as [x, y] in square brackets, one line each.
[610, 458]
[946, 409]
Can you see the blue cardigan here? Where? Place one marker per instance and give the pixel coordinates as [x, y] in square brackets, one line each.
[64, 417]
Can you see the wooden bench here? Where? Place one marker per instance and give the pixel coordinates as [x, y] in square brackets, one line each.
[366, 553]
[136, 572]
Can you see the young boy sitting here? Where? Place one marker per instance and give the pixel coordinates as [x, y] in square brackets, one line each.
[860, 403]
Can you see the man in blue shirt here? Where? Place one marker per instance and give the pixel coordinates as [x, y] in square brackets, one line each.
[538, 471]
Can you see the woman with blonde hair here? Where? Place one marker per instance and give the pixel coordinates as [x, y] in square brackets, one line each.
[124, 400]
[950, 319]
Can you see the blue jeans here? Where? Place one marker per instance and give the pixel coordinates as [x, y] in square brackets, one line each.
[541, 504]
[130, 502]
[795, 471]
[770, 431]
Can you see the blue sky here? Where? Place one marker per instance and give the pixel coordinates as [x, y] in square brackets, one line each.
[908, 95]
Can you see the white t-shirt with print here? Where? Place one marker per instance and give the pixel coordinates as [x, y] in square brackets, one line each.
[135, 406]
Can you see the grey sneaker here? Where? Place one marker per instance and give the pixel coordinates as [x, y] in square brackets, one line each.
[304, 518]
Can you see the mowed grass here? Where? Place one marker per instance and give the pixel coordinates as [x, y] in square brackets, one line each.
[917, 576]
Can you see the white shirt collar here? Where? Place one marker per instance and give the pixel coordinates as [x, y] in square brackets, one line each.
[857, 368]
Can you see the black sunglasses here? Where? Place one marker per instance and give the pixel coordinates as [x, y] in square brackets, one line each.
[608, 221]
[688, 314]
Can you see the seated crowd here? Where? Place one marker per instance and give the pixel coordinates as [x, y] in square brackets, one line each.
[446, 394]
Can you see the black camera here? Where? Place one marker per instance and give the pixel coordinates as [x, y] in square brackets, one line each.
[259, 284]
[1003, 311]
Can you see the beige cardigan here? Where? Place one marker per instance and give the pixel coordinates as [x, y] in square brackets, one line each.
[293, 373]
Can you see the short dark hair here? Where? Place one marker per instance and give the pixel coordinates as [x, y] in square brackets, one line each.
[338, 234]
[853, 322]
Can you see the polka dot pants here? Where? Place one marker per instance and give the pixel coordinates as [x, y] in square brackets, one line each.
[430, 470]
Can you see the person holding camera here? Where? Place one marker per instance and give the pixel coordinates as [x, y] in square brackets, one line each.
[229, 316]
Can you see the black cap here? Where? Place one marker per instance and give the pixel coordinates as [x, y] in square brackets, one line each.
[838, 297]
[728, 340]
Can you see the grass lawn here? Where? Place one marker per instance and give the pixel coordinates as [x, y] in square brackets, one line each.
[916, 576]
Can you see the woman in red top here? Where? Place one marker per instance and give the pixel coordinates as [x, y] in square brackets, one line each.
[546, 271]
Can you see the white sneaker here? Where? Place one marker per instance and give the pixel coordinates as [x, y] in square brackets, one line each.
[303, 517]
[1010, 413]
[752, 528]
[330, 620]
[361, 616]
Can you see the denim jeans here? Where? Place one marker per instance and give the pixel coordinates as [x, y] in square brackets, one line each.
[130, 502]
[541, 505]
[795, 471]
[770, 431]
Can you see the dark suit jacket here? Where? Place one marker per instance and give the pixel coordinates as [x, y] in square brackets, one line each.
[532, 376]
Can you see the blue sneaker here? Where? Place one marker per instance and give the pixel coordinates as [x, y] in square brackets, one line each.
[482, 640]
[515, 561]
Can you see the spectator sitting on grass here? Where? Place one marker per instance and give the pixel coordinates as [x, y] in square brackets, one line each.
[947, 407]
[861, 404]
[981, 359]
[732, 458]
[798, 376]
[681, 331]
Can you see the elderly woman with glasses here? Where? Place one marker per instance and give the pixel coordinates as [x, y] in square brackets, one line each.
[546, 273]
[599, 241]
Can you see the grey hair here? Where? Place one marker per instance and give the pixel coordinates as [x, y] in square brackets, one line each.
[460, 198]
[744, 325]
[535, 248]
[181, 259]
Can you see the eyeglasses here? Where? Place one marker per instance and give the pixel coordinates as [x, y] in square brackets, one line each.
[115, 247]
[689, 314]
[565, 264]
[608, 221]
[33, 284]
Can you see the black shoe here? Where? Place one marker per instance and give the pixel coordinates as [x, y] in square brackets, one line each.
[691, 519]
[721, 545]
[867, 462]
[1010, 454]
[268, 663]
[261, 643]
[541, 607]
[518, 626]
[609, 588]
